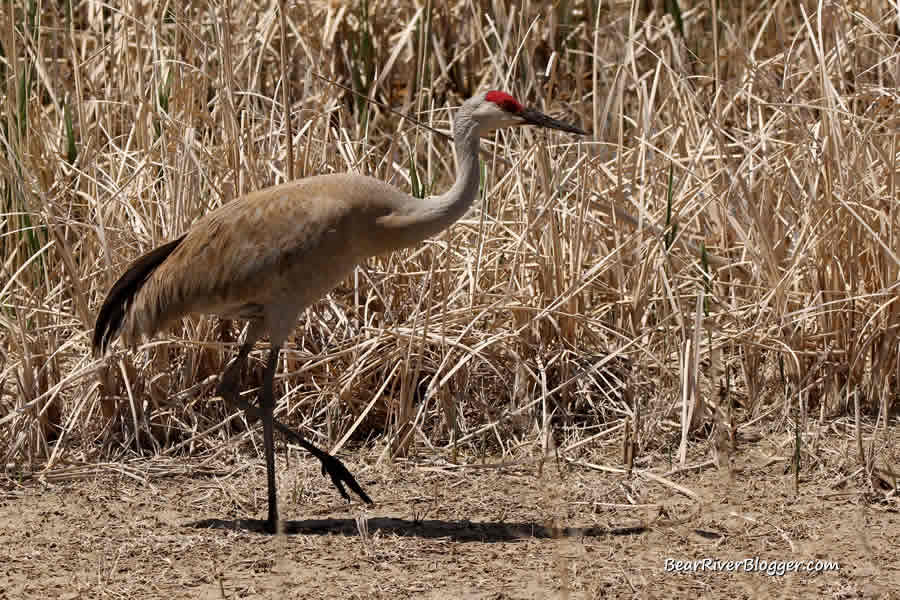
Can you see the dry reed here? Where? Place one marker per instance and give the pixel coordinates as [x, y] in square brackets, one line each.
[725, 242]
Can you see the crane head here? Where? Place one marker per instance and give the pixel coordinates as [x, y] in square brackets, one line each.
[496, 110]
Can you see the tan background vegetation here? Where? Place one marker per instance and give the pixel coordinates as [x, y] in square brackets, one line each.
[724, 242]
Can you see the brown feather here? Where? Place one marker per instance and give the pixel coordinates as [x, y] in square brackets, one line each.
[265, 256]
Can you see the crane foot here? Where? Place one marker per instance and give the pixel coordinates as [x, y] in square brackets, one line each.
[334, 468]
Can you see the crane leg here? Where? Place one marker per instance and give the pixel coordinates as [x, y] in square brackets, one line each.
[228, 389]
[267, 404]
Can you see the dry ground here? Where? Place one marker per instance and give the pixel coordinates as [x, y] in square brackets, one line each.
[178, 530]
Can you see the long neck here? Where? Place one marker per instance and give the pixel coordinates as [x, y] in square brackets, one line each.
[450, 206]
[429, 216]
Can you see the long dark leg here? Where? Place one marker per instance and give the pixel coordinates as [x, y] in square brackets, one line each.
[267, 404]
[228, 388]
[230, 384]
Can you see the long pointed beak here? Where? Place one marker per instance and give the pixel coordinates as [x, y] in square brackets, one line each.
[533, 117]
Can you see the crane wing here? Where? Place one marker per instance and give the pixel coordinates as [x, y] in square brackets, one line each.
[282, 247]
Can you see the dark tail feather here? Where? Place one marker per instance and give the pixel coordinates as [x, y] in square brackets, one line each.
[112, 313]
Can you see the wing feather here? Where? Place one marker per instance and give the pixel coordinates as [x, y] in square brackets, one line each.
[283, 246]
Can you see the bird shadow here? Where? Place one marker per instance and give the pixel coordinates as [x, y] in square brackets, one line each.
[459, 531]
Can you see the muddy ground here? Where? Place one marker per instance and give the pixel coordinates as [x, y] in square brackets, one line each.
[183, 528]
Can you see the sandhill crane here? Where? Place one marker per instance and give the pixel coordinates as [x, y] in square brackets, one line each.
[268, 255]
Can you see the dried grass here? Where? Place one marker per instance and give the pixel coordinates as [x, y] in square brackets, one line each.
[725, 241]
